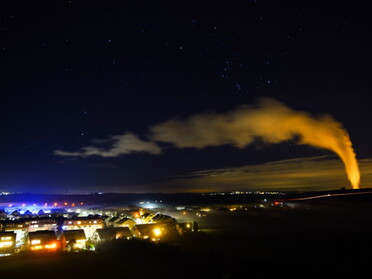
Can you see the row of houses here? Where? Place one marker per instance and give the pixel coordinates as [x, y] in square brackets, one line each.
[89, 224]
[94, 228]
[76, 239]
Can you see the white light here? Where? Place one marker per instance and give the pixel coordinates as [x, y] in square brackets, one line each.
[36, 241]
[6, 244]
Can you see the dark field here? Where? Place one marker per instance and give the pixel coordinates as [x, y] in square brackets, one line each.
[323, 238]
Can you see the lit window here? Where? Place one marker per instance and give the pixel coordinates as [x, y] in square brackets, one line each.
[35, 241]
[51, 246]
[6, 244]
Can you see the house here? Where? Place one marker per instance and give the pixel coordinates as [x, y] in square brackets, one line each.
[18, 227]
[160, 218]
[15, 214]
[41, 224]
[3, 214]
[88, 224]
[7, 242]
[110, 222]
[106, 219]
[28, 213]
[146, 218]
[186, 227]
[73, 239]
[125, 222]
[101, 235]
[41, 212]
[44, 241]
[155, 232]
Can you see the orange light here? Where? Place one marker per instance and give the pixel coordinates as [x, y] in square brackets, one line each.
[51, 246]
[38, 247]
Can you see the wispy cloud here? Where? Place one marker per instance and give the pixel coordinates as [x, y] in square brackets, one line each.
[115, 146]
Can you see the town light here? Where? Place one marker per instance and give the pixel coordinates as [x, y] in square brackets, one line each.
[157, 232]
[51, 246]
[38, 247]
[6, 244]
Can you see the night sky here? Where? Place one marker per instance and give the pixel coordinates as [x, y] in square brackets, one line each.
[79, 77]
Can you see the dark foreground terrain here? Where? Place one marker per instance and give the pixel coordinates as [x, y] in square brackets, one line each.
[320, 238]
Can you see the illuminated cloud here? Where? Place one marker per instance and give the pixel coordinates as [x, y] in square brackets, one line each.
[118, 145]
[313, 173]
[269, 121]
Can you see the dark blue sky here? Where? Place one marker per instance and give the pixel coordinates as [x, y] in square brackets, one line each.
[77, 71]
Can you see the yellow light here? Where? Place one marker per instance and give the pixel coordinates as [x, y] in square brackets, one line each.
[6, 244]
[51, 246]
[188, 225]
[157, 232]
[37, 247]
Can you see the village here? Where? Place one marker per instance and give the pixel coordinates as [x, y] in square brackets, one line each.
[59, 229]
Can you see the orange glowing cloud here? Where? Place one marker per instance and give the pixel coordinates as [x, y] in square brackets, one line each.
[269, 121]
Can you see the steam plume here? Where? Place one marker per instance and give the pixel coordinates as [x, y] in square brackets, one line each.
[269, 121]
